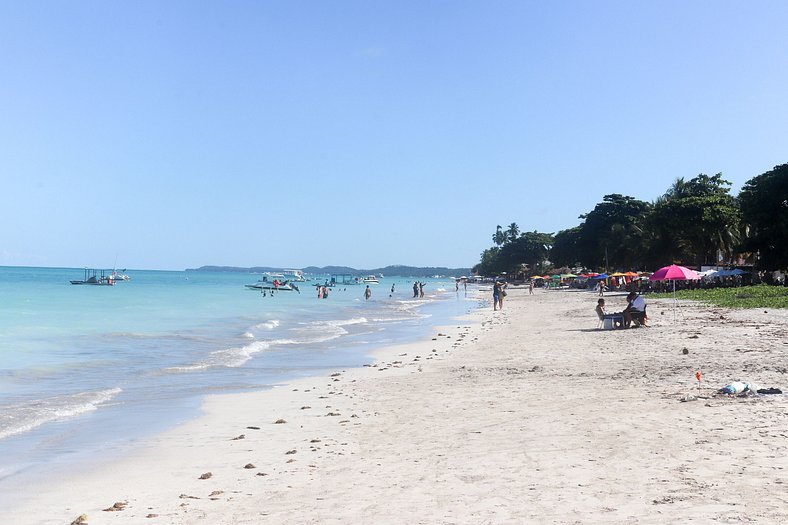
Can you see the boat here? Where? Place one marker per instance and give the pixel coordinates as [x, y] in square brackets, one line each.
[96, 278]
[115, 276]
[265, 283]
[294, 275]
[370, 279]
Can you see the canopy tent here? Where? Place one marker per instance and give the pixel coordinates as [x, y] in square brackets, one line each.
[711, 274]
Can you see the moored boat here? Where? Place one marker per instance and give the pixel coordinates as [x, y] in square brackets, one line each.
[272, 284]
[96, 278]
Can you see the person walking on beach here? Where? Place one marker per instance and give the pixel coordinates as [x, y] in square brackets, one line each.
[367, 293]
[601, 288]
[531, 287]
[496, 295]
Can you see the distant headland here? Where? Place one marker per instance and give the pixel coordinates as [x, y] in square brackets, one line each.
[398, 270]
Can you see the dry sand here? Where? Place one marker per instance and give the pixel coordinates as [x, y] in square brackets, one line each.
[528, 415]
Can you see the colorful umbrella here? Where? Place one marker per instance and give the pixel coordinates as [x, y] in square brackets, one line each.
[674, 273]
[617, 274]
[567, 275]
[537, 277]
[631, 274]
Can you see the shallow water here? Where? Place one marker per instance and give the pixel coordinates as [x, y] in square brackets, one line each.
[86, 370]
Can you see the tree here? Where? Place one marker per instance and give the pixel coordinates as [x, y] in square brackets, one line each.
[489, 263]
[531, 248]
[764, 206]
[499, 237]
[513, 232]
[612, 233]
[565, 251]
[696, 220]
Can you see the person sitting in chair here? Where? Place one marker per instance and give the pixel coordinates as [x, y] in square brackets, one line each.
[602, 314]
[635, 310]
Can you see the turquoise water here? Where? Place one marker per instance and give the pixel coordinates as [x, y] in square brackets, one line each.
[86, 369]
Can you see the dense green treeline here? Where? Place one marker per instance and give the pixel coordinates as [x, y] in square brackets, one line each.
[696, 222]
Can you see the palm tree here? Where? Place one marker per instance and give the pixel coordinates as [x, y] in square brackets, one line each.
[499, 237]
[513, 232]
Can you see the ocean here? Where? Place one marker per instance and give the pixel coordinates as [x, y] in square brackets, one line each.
[86, 371]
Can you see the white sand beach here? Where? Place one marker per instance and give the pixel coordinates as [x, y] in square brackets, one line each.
[527, 415]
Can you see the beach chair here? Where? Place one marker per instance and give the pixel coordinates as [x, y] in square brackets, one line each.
[608, 321]
[640, 317]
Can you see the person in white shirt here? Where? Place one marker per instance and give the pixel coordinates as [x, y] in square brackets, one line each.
[635, 310]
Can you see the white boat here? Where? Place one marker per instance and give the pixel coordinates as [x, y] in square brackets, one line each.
[115, 276]
[294, 275]
[370, 279]
[265, 283]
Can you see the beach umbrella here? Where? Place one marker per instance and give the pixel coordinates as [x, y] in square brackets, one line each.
[674, 273]
[556, 277]
[631, 274]
[568, 275]
[617, 274]
[600, 276]
[537, 277]
[592, 274]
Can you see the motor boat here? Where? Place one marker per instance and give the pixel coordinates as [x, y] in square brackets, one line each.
[96, 278]
[296, 276]
[266, 283]
[370, 279]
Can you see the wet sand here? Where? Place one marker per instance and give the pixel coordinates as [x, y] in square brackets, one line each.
[527, 415]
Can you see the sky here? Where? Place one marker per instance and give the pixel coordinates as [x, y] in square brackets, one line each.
[171, 135]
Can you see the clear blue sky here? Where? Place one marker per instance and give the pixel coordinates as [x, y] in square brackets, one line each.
[176, 134]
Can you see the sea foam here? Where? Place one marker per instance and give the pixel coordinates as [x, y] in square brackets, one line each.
[16, 419]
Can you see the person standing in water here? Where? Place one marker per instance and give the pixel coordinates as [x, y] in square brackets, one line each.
[367, 293]
[392, 287]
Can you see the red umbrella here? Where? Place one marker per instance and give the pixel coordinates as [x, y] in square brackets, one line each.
[674, 273]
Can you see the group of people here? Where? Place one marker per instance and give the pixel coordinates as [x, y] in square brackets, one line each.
[634, 312]
[418, 289]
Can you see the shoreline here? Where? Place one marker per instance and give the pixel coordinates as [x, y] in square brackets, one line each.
[525, 415]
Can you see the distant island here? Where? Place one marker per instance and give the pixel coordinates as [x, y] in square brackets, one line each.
[398, 270]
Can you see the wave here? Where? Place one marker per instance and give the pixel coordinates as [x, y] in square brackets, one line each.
[29, 415]
[320, 331]
[267, 325]
[227, 357]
